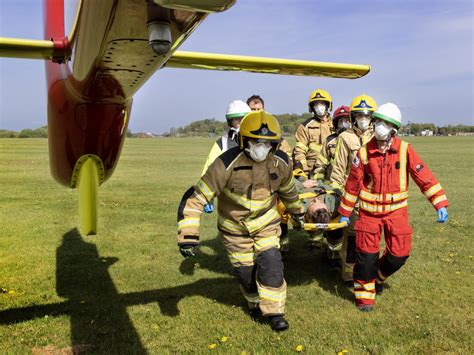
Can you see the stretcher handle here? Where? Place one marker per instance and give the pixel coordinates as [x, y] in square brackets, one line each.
[324, 226]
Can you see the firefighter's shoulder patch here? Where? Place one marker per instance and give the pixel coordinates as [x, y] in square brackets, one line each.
[419, 168]
[356, 161]
[282, 155]
[229, 156]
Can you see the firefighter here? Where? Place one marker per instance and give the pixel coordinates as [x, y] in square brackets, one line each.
[348, 143]
[246, 180]
[379, 179]
[256, 103]
[311, 134]
[236, 110]
[322, 167]
[321, 172]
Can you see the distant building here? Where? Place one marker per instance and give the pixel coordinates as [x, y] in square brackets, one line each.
[144, 135]
[426, 133]
[464, 133]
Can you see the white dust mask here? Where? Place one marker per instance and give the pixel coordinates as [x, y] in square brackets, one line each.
[363, 123]
[258, 151]
[320, 109]
[382, 131]
[344, 125]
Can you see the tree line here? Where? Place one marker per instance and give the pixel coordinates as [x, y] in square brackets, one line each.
[289, 123]
[212, 127]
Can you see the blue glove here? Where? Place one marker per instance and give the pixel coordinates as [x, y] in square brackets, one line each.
[442, 215]
[209, 208]
[344, 219]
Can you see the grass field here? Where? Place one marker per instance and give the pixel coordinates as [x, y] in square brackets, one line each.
[128, 290]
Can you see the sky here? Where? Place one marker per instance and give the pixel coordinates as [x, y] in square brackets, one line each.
[421, 53]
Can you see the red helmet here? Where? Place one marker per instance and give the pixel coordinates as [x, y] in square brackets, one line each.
[342, 111]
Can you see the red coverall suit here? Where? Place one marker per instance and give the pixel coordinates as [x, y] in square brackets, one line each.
[380, 182]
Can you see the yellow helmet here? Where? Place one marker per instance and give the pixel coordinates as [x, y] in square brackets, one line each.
[261, 126]
[320, 95]
[363, 104]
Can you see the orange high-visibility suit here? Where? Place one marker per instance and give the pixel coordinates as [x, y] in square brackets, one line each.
[380, 182]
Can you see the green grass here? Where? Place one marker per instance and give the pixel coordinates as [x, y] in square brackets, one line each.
[128, 289]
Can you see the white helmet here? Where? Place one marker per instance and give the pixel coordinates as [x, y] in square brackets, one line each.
[236, 109]
[390, 113]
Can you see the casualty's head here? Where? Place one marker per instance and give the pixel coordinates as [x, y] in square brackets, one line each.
[236, 110]
[317, 211]
[256, 103]
[387, 121]
[341, 118]
[260, 134]
[362, 108]
[320, 103]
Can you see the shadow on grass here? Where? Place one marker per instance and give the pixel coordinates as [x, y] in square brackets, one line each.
[302, 266]
[98, 313]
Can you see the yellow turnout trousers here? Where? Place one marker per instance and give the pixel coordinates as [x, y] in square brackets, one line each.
[258, 267]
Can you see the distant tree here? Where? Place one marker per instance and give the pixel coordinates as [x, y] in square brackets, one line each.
[41, 132]
[8, 134]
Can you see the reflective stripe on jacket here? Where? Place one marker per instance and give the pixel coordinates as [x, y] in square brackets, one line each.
[380, 180]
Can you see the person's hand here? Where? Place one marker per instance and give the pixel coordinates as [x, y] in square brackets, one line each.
[298, 219]
[309, 184]
[189, 250]
[345, 220]
[209, 208]
[442, 215]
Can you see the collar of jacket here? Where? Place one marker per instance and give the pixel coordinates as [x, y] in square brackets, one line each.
[233, 134]
[318, 119]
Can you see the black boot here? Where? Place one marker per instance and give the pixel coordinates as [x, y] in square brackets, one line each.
[278, 323]
[378, 288]
[255, 313]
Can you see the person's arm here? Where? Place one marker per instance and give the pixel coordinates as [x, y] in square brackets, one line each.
[425, 180]
[340, 163]
[195, 198]
[322, 163]
[301, 147]
[352, 187]
[288, 193]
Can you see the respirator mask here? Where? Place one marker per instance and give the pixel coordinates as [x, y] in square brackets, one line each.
[319, 109]
[363, 122]
[258, 151]
[383, 131]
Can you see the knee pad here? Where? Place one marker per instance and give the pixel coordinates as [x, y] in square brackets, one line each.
[246, 277]
[270, 268]
[351, 249]
[391, 263]
[366, 266]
